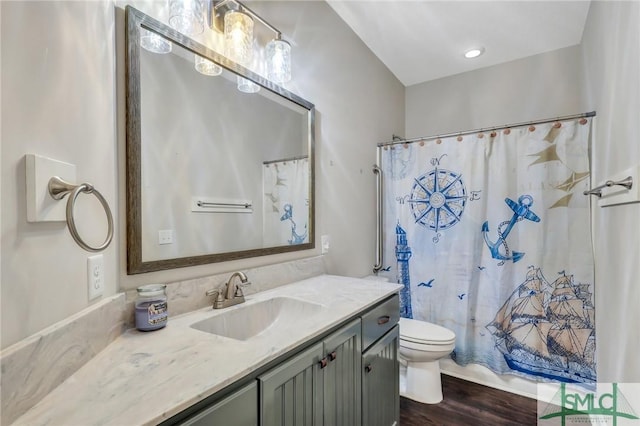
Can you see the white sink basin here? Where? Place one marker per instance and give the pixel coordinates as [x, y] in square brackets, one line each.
[242, 322]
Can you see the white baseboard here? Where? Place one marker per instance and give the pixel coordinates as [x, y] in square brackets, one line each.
[479, 374]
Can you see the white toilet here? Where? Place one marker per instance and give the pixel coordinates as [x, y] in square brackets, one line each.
[422, 344]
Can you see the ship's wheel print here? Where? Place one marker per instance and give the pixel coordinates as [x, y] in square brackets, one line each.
[437, 199]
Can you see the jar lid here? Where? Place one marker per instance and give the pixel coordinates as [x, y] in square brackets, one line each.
[151, 290]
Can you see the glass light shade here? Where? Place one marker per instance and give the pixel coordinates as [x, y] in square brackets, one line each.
[153, 42]
[207, 67]
[238, 37]
[279, 61]
[247, 86]
[187, 16]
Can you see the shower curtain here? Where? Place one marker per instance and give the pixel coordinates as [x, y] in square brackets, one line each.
[490, 235]
[286, 202]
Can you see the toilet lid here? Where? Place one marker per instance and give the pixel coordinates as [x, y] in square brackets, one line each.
[425, 332]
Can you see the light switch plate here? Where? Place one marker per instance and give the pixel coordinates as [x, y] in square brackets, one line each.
[165, 236]
[41, 207]
[325, 242]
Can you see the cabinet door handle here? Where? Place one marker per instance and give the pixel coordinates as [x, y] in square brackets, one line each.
[368, 368]
[383, 319]
[323, 363]
[333, 355]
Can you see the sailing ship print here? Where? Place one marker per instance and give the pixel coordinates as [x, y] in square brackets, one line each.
[548, 329]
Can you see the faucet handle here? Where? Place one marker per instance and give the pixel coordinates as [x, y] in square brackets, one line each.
[239, 288]
[219, 297]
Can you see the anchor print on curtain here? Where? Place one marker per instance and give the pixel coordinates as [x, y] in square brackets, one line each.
[490, 235]
[286, 202]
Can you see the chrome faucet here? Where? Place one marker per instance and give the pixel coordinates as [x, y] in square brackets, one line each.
[231, 294]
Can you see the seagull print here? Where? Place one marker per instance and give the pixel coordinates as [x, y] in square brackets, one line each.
[427, 284]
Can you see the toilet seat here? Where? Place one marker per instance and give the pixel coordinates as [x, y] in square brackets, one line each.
[414, 332]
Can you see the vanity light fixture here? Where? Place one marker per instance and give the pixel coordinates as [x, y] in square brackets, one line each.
[247, 86]
[279, 60]
[154, 42]
[206, 67]
[187, 16]
[474, 53]
[235, 20]
[238, 37]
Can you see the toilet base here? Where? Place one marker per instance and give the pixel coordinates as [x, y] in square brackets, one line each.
[421, 382]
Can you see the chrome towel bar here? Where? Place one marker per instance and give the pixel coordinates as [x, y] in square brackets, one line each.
[205, 204]
[597, 191]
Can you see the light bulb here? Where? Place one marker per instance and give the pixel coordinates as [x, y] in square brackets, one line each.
[238, 37]
[473, 53]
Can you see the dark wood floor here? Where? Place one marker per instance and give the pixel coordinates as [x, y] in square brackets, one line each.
[466, 403]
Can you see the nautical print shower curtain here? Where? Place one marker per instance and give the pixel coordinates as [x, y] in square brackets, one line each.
[286, 202]
[490, 235]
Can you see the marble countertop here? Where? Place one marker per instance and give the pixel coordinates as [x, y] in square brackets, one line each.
[145, 378]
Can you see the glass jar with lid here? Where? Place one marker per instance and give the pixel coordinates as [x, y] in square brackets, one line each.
[151, 307]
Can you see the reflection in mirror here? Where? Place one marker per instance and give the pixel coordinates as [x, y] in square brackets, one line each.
[213, 173]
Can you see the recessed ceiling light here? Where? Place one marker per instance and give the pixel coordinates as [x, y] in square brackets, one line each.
[474, 53]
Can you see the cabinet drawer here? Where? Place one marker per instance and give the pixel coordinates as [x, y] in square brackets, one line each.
[237, 409]
[379, 320]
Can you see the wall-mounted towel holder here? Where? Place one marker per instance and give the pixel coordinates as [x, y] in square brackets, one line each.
[59, 188]
[597, 191]
[201, 204]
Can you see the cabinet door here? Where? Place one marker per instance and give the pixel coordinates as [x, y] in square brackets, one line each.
[238, 409]
[342, 377]
[380, 382]
[291, 394]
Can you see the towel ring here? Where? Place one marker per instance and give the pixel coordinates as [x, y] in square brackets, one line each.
[59, 188]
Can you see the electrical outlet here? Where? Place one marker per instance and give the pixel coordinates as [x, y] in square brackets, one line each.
[165, 236]
[95, 276]
[324, 242]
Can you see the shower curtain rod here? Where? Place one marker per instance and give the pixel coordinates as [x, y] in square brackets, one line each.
[397, 141]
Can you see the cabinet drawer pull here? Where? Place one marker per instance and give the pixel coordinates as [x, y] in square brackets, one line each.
[333, 355]
[368, 368]
[323, 363]
[383, 319]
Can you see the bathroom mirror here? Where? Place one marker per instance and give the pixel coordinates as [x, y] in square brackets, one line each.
[213, 173]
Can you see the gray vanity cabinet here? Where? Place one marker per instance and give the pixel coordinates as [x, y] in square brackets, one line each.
[380, 382]
[290, 394]
[320, 386]
[330, 383]
[342, 378]
[380, 367]
[238, 409]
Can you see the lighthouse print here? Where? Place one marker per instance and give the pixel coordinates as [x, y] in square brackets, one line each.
[403, 254]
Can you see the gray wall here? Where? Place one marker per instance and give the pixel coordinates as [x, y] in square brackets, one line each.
[59, 100]
[611, 46]
[540, 86]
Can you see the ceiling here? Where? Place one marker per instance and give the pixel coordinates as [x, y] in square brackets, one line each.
[426, 40]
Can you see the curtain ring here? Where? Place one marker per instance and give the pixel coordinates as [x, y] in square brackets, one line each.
[59, 188]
